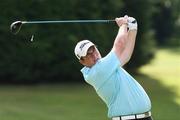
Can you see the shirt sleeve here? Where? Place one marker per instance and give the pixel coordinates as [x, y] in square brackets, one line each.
[102, 70]
[108, 65]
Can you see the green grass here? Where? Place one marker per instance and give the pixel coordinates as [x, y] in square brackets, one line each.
[166, 69]
[160, 78]
[52, 102]
[162, 81]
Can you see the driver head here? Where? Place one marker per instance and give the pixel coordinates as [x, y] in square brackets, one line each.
[15, 27]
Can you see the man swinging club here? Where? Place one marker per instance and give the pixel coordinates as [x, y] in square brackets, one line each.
[123, 95]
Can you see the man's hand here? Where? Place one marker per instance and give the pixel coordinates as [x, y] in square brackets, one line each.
[132, 23]
[122, 20]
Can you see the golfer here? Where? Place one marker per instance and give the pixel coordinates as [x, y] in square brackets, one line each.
[123, 95]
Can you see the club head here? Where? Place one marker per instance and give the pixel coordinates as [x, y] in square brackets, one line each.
[15, 27]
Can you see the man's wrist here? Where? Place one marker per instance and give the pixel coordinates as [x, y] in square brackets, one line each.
[126, 24]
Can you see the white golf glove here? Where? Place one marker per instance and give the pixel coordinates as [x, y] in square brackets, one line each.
[132, 23]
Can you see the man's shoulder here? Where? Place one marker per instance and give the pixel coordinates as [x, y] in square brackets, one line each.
[110, 58]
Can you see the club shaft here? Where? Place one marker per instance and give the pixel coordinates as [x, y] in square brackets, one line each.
[68, 21]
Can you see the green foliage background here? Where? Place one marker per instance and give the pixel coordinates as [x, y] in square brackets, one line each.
[50, 58]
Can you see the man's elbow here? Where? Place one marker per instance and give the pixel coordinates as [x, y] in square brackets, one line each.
[120, 45]
[120, 42]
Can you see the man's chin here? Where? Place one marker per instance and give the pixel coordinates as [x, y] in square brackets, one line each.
[96, 60]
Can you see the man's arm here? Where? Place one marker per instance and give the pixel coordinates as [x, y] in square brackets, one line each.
[121, 38]
[128, 50]
[125, 40]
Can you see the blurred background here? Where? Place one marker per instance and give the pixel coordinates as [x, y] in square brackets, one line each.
[41, 80]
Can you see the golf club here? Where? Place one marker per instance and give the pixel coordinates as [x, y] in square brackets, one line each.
[16, 26]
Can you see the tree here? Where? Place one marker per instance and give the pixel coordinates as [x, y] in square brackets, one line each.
[165, 22]
[50, 58]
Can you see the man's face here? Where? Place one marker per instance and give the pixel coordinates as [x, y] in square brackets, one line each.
[91, 58]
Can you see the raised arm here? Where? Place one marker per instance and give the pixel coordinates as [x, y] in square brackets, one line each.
[121, 38]
[129, 47]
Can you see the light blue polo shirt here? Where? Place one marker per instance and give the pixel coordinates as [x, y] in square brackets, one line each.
[122, 94]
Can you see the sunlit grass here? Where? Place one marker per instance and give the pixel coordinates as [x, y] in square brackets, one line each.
[166, 69]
